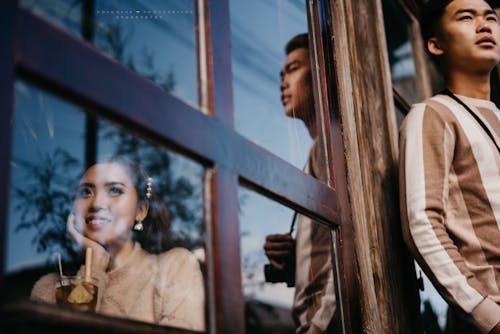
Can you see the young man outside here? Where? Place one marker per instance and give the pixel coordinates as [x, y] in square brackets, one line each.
[450, 166]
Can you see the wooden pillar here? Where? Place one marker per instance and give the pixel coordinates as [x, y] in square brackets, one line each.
[388, 293]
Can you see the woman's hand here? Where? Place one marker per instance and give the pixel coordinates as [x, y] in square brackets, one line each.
[100, 258]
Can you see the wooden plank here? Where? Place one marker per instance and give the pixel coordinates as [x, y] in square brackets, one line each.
[31, 317]
[224, 234]
[389, 300]
[326, 95]
[347, 168]
[220, 36]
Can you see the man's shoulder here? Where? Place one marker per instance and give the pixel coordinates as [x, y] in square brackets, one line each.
[438, 108]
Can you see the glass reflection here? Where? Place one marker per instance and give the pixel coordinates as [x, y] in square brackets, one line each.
[287, 269]
[433, 308]
[154, 38]
[257, 57]
[137, 207]
[397, 31]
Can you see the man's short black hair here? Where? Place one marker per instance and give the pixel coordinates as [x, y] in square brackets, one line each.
[297, 42]
[430, 17]
[430, 21]
[431, 14]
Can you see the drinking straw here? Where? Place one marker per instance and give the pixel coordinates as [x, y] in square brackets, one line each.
[88, 264]
[60, 265]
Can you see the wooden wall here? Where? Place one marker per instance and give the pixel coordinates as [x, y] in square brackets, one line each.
[389, 299]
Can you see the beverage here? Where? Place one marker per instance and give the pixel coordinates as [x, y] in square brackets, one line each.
[76, 294]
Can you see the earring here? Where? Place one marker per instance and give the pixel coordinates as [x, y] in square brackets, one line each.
[139, 226]
[149, 187]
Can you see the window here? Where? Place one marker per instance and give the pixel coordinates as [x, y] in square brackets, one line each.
[82, 104]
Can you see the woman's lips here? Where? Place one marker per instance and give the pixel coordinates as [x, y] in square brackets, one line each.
[96, 222]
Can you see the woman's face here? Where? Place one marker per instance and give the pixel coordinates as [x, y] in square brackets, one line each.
[107, 205]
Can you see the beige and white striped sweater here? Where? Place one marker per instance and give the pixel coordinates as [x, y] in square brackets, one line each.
[450, 202]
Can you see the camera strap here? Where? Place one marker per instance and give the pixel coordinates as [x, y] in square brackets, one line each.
[476, 117]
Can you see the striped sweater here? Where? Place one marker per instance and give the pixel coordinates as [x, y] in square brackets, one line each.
[450, 202]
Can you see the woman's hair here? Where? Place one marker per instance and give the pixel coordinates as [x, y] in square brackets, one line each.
[155, 236]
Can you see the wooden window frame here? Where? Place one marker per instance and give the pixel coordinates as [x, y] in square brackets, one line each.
[82, 75]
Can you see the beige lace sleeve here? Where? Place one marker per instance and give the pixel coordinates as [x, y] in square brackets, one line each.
[180, 293]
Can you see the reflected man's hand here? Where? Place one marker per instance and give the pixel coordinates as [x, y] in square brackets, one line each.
[280, 249]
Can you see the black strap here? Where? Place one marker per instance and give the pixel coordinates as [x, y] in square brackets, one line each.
[476, 117]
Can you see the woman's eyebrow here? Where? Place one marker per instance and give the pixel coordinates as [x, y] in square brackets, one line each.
[115, 183]
[87, 184]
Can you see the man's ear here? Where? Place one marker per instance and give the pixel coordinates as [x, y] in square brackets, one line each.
[434, 47]
[142, 212]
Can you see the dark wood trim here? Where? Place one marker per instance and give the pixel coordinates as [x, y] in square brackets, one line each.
[220, 37]
[225, 251]
[35, 317]
[80, 73]
[326, 77]
[7, 50]
[87, 30]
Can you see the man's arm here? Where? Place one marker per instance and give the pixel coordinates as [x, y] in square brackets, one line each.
[426, 153]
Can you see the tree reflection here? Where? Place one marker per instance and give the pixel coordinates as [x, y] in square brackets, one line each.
[43, 201]
[44, 198]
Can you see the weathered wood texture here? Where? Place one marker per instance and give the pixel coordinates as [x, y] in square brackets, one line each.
[326, 97]
[389, 299]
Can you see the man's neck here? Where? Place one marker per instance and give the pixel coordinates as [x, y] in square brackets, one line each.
[475, 86]
[311, 127]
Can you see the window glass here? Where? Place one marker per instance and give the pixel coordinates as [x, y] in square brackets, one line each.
[66, 14]
[258, 56]
[286, 268]
[397, 30]
[137, 206]
[433, 307]
[155, 38]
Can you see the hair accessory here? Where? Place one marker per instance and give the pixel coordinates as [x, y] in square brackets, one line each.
[139, 226]
[149, 187]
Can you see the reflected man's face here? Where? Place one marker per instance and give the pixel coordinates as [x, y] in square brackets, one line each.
[107, 204]
[296, 85]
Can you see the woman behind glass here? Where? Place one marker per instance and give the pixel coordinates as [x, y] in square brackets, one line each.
[117, 213]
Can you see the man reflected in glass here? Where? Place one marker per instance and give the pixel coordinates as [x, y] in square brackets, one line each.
[306, 261]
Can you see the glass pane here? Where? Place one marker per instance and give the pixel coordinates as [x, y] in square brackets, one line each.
[258, 56]
[155, 38]
[66, 14]
[288, 279]
[397, 30]
[139, 209]
[433, 308]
